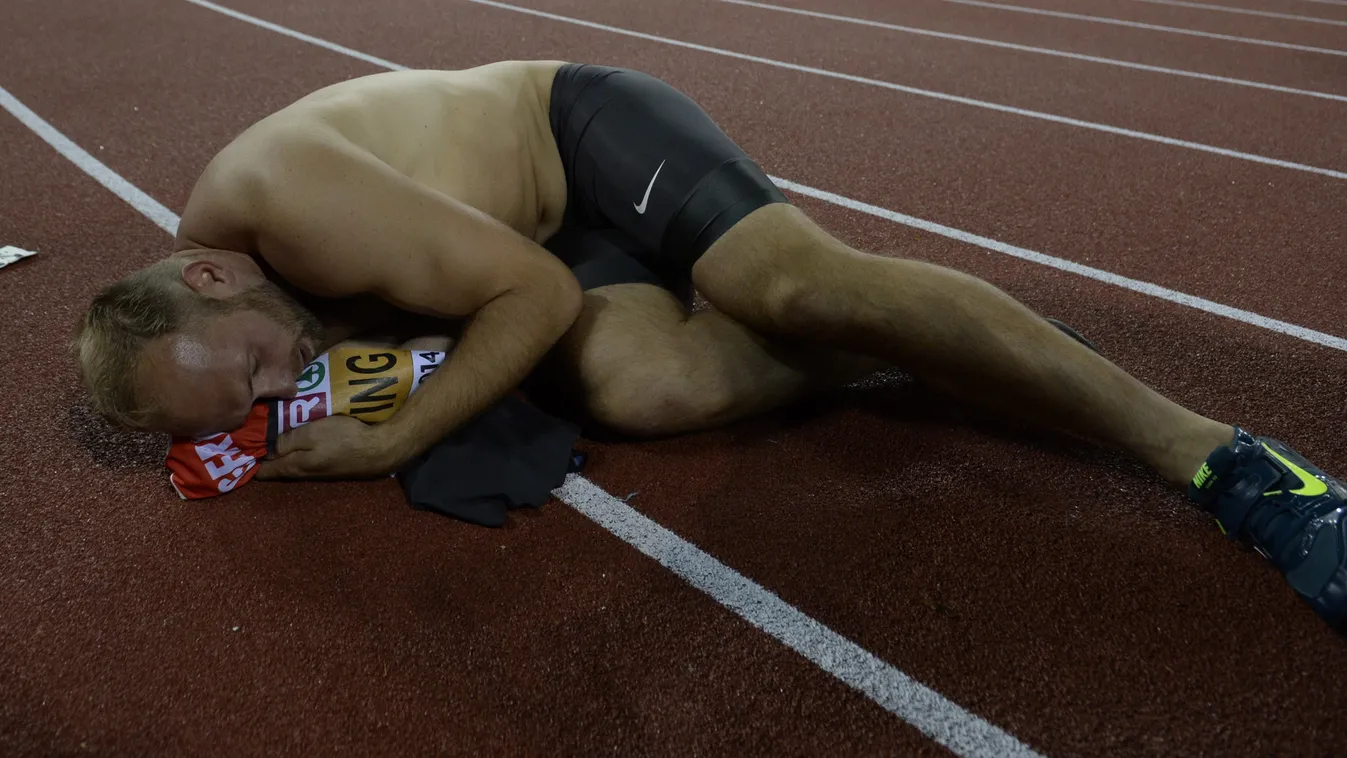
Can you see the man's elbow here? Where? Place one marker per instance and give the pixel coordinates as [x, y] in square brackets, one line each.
[558, 295]
[570, 300]
[567, 297]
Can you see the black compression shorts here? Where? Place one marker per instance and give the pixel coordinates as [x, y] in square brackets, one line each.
[651, 180]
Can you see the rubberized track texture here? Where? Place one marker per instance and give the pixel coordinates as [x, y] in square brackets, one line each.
[879, 572]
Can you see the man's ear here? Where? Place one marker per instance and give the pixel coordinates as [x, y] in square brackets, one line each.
[217, 275]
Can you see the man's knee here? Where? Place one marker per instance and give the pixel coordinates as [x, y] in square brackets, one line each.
[777, 271]
[795, 302]
[659, 397]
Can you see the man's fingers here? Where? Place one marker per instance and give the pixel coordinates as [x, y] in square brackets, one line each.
[323, 449]
[290, 466]
[271, 470]
[296, 440]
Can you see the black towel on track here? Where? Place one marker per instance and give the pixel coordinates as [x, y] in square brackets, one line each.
[510, 456]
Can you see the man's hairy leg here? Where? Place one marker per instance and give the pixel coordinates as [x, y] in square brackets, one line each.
[636, 363]
[781, 274]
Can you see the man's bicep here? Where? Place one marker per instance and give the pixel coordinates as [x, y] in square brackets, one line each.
[351, 225]
[466, 260]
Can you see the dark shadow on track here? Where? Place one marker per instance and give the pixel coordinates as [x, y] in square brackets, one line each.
[108, 446]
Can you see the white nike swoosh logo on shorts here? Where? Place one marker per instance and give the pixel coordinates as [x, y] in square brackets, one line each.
[641, 208]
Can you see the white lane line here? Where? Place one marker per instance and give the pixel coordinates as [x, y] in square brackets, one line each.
[301, 36]
[1039, 50]
[1327, 2]
[1040, 115]
[1065, 120]
[1245, 11]
[1149, 27]
[148, 206]
[938, 718]
[934, 715]
[1136, 285]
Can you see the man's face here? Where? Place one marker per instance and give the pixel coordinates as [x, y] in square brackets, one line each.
[208, 376]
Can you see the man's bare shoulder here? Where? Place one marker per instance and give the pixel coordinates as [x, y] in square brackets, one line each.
[227, 203]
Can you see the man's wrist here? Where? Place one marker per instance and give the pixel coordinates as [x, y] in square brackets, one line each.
[397, 444]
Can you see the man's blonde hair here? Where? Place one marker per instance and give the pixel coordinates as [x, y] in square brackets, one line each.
[110, 338]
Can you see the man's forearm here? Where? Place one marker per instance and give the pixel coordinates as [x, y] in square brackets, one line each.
[498, 348]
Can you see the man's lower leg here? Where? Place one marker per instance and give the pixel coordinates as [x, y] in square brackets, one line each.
[966, 336]
[981, 344]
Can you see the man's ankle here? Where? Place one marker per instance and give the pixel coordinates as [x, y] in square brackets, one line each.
[1182, 457]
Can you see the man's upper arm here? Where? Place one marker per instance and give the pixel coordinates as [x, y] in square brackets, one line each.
[340, 222]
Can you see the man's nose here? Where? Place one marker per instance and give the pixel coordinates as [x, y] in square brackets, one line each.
[278, 383]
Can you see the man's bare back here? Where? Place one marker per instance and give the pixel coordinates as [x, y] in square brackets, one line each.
[480, 136]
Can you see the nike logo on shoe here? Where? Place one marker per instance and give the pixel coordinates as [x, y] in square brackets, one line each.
[1311, 485]
[641, 208]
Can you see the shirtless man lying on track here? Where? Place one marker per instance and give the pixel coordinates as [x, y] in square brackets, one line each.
[563, 213]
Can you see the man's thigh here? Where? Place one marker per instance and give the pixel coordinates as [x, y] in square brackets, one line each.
[639, 362]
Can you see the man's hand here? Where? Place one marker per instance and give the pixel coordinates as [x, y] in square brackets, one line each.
[336, 447]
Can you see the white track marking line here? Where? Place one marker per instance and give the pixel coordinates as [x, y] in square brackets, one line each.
[1040, 115]
[1150, 27]
[1246, 11]
[149, 207]
[939, 718]
[301, 36]
[1039, 50]
[986, 243]
[1327, 2]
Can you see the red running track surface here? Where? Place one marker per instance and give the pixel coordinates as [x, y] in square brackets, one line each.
[1055, 592]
